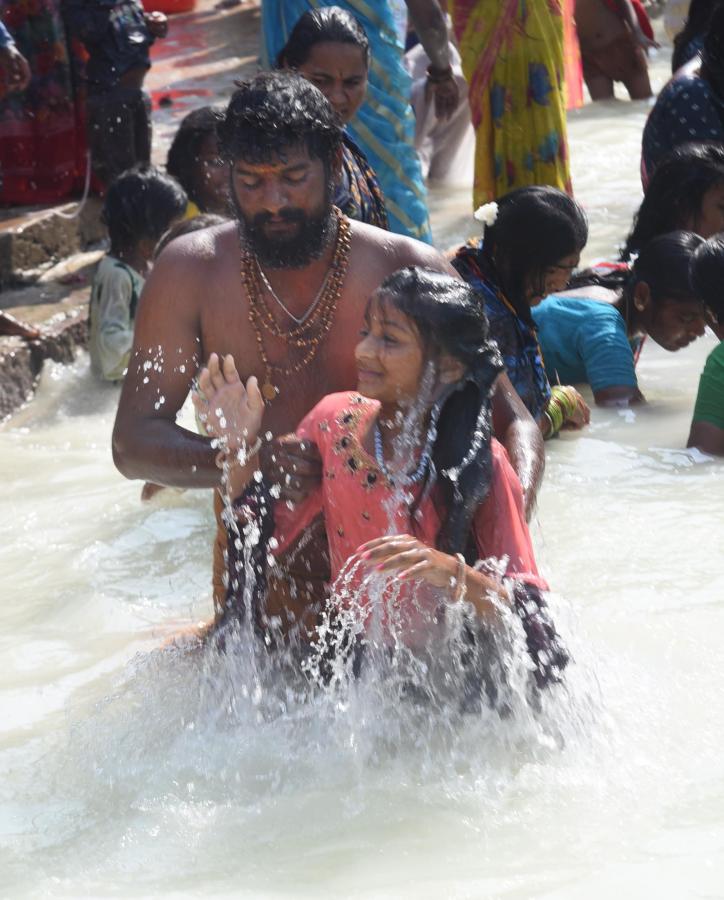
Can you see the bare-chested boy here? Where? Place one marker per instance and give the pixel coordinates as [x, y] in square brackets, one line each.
[613, 48]
[214, 292]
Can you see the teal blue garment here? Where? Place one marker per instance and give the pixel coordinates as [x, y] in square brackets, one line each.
[584, 341]
[384, 127]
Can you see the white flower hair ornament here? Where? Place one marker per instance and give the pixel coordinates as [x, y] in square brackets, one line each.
[487, 214]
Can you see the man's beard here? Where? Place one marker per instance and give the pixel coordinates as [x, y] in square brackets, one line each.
[312, 236]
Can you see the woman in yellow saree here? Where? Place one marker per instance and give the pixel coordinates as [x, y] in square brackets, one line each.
[513, 59]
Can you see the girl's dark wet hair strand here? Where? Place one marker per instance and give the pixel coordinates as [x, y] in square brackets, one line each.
[450, 319]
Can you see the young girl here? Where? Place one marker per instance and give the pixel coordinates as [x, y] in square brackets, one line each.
[533, 241]
[195, 162]
[593, 332]
[414, 488]
[141, 204]
[685, 192]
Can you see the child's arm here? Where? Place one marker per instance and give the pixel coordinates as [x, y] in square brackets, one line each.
[231, 413]
[115, 326]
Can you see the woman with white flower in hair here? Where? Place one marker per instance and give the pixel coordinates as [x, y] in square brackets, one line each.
[532, 243]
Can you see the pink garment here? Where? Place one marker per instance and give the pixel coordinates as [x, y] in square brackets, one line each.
[359, 503]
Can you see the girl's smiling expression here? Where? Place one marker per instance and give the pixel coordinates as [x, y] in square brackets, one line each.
[389, 356]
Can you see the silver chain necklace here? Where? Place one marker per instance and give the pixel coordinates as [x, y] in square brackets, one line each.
[313, 305]
[425, 457]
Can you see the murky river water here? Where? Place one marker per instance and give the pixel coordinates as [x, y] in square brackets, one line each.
[130, 772]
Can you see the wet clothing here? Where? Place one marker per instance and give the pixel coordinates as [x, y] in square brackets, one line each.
[119, 131]
[42, 129]
[517, 339]
[384, 126]
[358, 503]
[513, 59]
[115, 35]
[710, 397]
[358, 194]
[114, 298]
[585, 341]
[687, 109]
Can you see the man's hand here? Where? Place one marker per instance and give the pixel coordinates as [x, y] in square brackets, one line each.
[16, 68]
[294, 465]
[157, 23]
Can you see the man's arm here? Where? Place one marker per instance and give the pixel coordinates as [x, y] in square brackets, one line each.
[519, 433]
[431, 27]
[147, 442]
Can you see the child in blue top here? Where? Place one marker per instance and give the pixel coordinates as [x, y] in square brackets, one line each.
[139, 207]
[593, 332]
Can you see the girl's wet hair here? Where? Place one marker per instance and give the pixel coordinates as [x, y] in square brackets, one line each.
[450, 319]
[712, 54]
[329, 24]
[183, 154]
[696, 25]
[707, 275]
[274, 113]
[141, 203]
[535, 228]
[663, 265]
[675, 193]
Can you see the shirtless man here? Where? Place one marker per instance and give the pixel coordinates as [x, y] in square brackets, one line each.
[613, 48]
[282, 141]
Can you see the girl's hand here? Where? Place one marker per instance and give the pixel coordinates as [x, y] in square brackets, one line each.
[408, 558]
[581, 415]
[229, 410]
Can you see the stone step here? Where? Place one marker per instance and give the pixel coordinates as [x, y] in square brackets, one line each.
[32, 240]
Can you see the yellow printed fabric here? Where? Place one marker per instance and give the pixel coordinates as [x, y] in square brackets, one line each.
[513, 59]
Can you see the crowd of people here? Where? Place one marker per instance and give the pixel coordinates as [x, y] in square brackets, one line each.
[281, 270]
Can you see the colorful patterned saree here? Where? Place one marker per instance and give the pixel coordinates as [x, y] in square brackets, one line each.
[512, 56]
[385, 125]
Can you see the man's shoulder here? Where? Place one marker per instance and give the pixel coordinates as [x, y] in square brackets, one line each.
[205, 246]
[396, 249]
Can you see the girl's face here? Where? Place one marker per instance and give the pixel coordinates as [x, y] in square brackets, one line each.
[212, 177]
[673, 324]
[340, 72]
[710, 220]
[555, 278]
[389, 356]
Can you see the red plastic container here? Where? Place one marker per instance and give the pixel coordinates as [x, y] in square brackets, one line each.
[169, 6]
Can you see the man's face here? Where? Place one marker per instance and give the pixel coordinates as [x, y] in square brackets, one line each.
[285, 208]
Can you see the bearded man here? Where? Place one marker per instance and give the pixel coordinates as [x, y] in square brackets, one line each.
[283, 291]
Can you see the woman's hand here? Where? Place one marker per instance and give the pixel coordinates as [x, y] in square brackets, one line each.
[408, 558]
[229, 410]
[580, 415]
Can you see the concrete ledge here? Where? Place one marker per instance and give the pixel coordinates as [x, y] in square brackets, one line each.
[32, 240]
[21, 361]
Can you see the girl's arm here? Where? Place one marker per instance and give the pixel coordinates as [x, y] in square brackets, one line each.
[232, 414]
[409, 559]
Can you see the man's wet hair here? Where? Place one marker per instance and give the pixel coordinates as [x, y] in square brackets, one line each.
[141, 203]
[277, 112]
